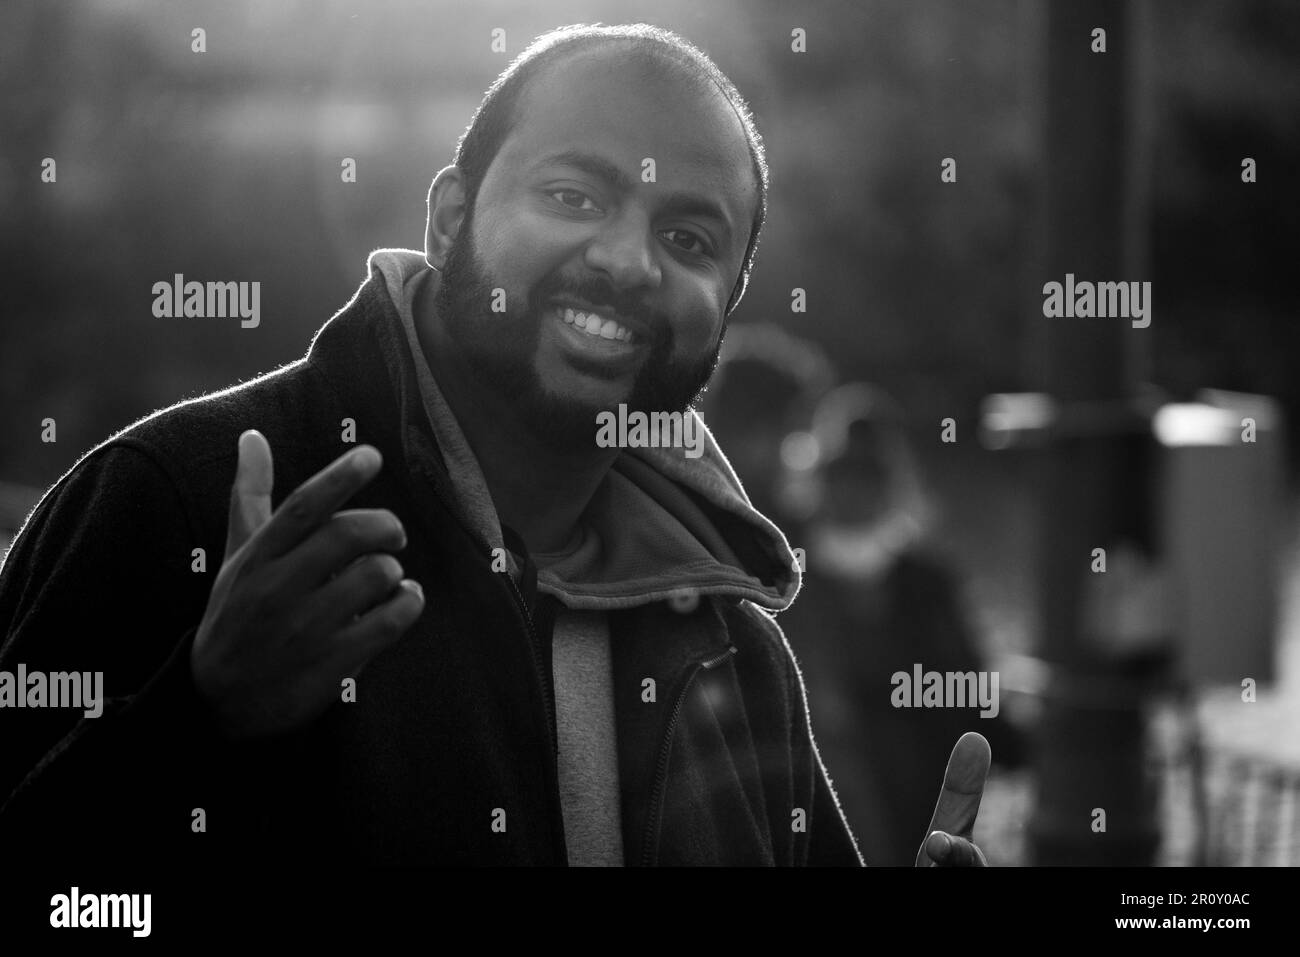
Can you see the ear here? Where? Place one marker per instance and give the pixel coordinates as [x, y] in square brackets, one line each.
[446, 211]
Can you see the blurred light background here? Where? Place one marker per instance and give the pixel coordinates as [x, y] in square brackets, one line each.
[226, 166]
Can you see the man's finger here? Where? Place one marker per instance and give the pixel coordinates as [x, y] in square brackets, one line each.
[316, 499]
[339, 540]
[381, 626]
[357, 588]
[963, 788]
[250, 495]
[946, 850]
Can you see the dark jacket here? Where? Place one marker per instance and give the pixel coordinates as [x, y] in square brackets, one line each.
[450, 726]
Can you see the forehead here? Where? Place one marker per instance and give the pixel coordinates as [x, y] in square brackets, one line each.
[614, 103]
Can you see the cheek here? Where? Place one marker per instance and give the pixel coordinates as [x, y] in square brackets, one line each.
[517, 254]
[699, 322]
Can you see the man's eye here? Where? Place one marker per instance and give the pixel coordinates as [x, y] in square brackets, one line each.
[575, 199]
[686, 240]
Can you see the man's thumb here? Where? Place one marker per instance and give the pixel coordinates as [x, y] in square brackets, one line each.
[250, 496]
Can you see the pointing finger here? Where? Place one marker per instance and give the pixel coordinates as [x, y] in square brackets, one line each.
[963, 789]
[316, 499]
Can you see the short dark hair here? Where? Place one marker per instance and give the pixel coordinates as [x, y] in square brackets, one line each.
[495, 116]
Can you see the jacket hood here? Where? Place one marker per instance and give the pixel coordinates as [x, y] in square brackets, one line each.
[662, 526]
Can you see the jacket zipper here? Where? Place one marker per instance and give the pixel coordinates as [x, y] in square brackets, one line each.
[665, 752]
[548, 706]
[539, 664]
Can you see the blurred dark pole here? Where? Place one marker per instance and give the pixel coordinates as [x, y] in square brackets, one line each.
[1091, 490]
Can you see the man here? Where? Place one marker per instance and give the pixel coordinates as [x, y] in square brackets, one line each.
[573, 661]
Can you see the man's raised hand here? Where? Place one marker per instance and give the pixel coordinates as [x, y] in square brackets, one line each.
[948, 838]
[305, 596]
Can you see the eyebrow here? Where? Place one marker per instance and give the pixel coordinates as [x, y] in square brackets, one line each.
[687, 204]
[596, 166]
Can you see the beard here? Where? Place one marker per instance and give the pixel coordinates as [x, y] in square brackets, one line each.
[501, 348]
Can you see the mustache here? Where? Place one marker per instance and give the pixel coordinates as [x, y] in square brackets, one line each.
[600, 292]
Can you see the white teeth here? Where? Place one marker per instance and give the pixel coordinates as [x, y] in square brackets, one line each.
[593, 325]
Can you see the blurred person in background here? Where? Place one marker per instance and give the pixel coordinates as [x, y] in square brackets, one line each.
[764, 388]
[876, 599]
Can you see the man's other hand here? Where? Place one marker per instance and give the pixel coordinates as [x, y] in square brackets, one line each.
[948, 838]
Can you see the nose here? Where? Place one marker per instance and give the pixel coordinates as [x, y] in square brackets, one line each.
[624, 250]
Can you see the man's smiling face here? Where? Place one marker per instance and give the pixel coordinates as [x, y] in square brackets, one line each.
[615, 288]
